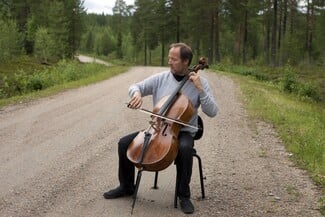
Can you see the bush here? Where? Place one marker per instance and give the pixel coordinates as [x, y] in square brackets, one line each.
[13, 85]
[35, 83]
[289, 79]
[309, 90]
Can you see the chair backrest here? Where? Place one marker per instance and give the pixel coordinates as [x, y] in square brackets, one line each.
[199, 133]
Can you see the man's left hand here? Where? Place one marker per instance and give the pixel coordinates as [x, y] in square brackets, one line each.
[195, 78]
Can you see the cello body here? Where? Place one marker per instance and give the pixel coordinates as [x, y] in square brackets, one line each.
[162, 148]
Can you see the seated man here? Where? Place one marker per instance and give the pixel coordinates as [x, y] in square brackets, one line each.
[160, 85]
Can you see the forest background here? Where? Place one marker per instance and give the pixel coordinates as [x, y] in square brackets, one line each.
[265, 35]
[280, 43]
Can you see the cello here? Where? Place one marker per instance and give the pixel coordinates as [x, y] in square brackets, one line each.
[155, 148]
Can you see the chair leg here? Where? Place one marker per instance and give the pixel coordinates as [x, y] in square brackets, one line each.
[201, 180]
[201, 174]
[176, 191]
[137, 183]
[156, 180]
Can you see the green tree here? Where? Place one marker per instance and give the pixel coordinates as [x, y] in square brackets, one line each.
[11, 41]
[143, 27]
[4, 9]
[89, 42]
[319, 50]
[74, 11]
[58, 25]
[120, 11]
[44, 48]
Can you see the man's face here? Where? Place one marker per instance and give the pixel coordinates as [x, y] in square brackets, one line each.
[177, 66]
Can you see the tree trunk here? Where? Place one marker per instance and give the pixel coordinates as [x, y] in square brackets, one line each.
[178, 28]
[197, 48]
[245, 36]
[145, 53]
[162, 54]
[268, 33]
[217, 36]
[211, 41]
[285, 15]
[310, 27]
[293, 13]
[280, 25]
[238, 42]
[274, 28]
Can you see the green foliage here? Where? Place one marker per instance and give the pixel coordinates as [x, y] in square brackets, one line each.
[44, 48]
[22, 82]
[299, 81]
[292, 50]
[309, 90]
[106, 43]
[58, 28]
[239, 31]
[10, 40]
[89, 42]
[99, 40]
[62, 19]
[289, 80]
[319, 50]
[304, 89]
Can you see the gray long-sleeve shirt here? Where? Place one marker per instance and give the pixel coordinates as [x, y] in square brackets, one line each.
[164, 83]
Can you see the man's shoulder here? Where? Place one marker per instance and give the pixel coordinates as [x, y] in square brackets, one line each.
[163, 74]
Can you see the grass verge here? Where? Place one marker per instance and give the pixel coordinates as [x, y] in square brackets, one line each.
[300, 124]
[102, 74]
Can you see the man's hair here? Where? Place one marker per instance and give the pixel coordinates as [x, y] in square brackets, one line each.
[185, 51]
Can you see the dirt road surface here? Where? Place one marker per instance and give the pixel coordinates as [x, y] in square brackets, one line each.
[87, 59]
[59, 154]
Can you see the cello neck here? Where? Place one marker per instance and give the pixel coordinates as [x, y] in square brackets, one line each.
[171, 99]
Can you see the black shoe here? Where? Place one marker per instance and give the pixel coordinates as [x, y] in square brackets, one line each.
[186, 205]
[118, 192]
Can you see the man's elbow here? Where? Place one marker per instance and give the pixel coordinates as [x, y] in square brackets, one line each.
[213, 112]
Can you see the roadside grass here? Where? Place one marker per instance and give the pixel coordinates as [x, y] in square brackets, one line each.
[307, 82]
[49, 81]
[299, 123]
[17, 64]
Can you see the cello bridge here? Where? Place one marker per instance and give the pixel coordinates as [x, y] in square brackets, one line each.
[154, 125]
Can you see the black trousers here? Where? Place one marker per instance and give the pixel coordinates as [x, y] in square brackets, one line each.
[183, 161]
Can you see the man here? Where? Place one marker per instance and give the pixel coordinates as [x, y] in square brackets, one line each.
[160, 85]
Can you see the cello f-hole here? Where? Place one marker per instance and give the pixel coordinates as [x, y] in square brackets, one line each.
[164, 130]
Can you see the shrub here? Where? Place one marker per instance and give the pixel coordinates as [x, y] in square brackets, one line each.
[289, 79]
[35, 82]
[309, 90]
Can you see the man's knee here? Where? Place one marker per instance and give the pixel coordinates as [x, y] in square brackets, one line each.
[124, 142]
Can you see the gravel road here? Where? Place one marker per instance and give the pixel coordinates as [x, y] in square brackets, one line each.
[59, 154]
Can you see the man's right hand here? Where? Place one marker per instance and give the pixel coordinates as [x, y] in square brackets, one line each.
[136, 101]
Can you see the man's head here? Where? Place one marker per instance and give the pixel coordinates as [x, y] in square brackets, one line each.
[179, 58]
